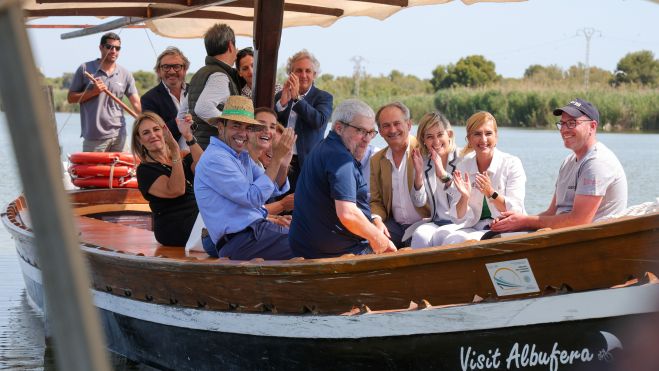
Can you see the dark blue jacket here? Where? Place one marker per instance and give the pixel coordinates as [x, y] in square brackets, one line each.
[313, 114]
[159, 101]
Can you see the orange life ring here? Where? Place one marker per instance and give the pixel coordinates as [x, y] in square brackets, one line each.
[104, 182]
[91, 158]
[82, 171]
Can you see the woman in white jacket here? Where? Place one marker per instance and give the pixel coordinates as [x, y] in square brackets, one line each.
[489, 181]
[434, 162]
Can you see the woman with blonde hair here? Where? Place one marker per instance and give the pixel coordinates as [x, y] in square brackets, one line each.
[434, 162]
[488, 181]
[165, 176]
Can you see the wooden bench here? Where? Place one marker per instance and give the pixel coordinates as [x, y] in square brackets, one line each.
[133, 240]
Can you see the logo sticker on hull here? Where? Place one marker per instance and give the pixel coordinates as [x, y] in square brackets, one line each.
[512, 277]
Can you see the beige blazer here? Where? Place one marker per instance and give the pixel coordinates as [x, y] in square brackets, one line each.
[380, 184]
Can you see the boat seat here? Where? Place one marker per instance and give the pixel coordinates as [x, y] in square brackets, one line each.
[133, 240]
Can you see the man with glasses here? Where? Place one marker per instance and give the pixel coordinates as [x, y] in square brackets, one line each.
[102, 119]
[213, 83]
[231, 189]
[392, 175]
[591, 182]
[165, 98]
[331, 215]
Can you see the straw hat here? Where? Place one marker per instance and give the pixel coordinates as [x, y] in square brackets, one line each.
[237, 108]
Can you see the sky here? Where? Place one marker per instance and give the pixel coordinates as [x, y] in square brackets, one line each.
[413, 41]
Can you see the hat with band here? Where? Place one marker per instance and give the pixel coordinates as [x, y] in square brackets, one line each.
[237, 108]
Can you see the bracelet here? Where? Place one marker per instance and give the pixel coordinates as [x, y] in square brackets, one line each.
[176, 160]
[191, 142]
[446, 179]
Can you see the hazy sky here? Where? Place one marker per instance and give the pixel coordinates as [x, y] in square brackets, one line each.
[414, 41]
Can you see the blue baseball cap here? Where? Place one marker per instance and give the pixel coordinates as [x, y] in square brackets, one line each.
[578, 107]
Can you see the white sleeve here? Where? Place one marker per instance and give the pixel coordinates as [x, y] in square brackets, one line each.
[515, 186]
[215, 91]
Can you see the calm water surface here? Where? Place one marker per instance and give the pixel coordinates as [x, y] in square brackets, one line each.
[22, 343]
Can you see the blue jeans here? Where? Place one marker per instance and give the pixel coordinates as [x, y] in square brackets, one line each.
[261, 239]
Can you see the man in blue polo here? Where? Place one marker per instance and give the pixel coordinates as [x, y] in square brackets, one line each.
[331, 216]
[231, 189]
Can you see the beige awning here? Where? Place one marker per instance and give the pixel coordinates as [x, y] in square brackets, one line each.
[191, 18]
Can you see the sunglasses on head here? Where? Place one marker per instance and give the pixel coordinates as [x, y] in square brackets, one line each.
[110, 47]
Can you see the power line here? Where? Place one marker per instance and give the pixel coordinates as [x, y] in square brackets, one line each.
[358, 71]
[588, 33]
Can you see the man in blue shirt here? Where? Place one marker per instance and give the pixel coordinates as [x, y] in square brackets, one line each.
[231, 189]
[331, 216]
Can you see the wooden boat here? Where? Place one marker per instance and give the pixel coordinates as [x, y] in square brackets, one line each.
[544, 300]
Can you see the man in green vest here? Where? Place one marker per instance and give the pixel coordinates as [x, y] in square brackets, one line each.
[214, 83]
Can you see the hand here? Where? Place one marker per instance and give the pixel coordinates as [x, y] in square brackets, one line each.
[284, 147]
[295, 86]
[508, 221]
[437, 160]
[417, 160]
[282, 220]
[463, 185]
[170, 142]
[484, 184]
[185, 126]
[288, 202]
[381, 227]
[382, 244]
[285, 93]
[99, 85]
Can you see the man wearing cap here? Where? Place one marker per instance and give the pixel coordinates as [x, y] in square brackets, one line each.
[591, 181]
[231, 189]
[331, 216]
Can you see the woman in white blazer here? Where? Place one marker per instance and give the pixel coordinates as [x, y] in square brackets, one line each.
[434, 162]
[488, 181]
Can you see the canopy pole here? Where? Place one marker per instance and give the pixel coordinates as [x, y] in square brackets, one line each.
[268, 22]
[77, 333]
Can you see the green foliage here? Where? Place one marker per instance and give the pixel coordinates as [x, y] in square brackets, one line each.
[638, 68]
[144, 81]
[472, 71]
[620, 109]
[540, 73]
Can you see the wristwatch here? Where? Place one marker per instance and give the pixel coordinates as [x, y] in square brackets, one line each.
[447, 178]
[191, 142]
[494, 195]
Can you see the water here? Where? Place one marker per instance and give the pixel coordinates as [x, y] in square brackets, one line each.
[22, 343]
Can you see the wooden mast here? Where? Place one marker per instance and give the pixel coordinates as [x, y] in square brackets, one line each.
[268, 22]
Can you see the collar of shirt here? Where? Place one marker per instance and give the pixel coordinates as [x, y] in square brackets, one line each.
[389, 155]
[219, 142]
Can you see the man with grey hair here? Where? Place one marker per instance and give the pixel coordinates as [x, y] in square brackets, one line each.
[331, 216]
[165, 98]
[211, 86]
[392, 175]
[303, 107]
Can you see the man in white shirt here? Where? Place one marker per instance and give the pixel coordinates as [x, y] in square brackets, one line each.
[591, 182]
[210, 87]
[392, 175]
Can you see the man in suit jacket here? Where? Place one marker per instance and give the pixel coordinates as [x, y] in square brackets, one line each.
[303, 107]
[165, 98]
[392, 175]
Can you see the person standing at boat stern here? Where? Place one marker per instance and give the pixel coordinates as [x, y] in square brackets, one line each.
[210, 87]
[303, 107]
[165, 176]
[165, 98]
[488, 182]
[231, 188]
[331, 216]
[392, 174]
[102, 119]
[591, 182]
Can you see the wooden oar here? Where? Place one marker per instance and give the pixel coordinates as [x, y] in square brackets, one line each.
[112, 96]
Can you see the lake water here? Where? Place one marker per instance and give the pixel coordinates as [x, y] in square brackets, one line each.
[22, 343]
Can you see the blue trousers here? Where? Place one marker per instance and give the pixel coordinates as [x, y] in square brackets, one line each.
[397, 231]
[261, 239]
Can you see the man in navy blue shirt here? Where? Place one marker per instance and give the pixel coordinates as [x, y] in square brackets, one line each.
[332, 215]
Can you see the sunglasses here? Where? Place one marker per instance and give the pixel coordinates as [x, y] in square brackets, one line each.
[110, 47]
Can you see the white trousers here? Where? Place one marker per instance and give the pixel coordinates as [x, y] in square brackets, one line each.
[473, 233]
[430, 234]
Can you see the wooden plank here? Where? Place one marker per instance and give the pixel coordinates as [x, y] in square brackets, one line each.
[269, 16]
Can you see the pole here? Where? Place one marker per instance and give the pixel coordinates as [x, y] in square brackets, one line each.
[268, 21]
[113, 97]
[588, 34]
[78, 338]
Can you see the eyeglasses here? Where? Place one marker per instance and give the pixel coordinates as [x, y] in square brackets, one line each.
[362, 132]
[175, 67]
[570, 124]
[255, 128]
[110, 47]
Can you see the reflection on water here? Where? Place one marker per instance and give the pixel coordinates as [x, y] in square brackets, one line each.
[22, 344]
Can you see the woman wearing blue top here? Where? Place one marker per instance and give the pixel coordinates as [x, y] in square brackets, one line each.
[434, 162]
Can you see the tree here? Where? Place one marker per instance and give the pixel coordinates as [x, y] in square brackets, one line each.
[144, 80]
[471, 71]
[543, 73]
[638, 67]
[596, 75]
